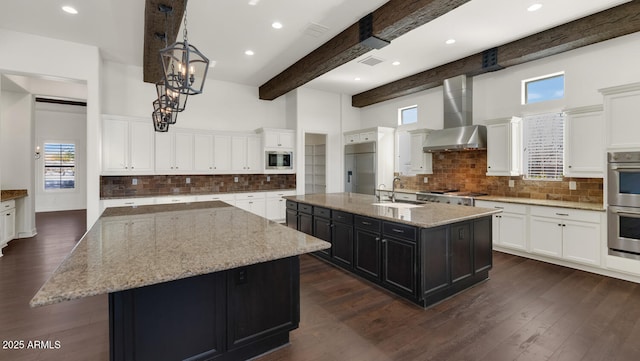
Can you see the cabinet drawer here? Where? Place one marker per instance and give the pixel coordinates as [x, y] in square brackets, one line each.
[322, 212]
[250, 196]
[506, 207]
[292, 205]
[406, 196]
[342, 217]
[568, 213]
[370, 224]
[8, 204]
[305, 208]
[399, 231]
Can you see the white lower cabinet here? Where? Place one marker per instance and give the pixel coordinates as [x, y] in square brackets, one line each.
[569, 234]
[228, 198]
[252, 202]
[276, 205]
[510, 226]
[7, 223]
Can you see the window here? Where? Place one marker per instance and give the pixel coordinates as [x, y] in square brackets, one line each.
[59, 166]
[543, 146]
[408, 115]
[544, 88]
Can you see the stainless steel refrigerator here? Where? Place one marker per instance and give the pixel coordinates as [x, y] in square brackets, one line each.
[360, 168]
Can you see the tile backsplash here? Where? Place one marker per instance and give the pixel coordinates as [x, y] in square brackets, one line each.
[156, 185]
[466, 171]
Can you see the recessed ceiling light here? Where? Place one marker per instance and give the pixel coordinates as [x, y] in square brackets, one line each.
[276, 25]
[69, 10]
[534, 7]
[357, 79]
[395, 63]
[450, 41]
[249, 52]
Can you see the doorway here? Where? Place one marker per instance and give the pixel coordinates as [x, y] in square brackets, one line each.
[315, 163]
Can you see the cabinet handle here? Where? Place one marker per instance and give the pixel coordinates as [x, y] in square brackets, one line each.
[498, 207]
[8, 214]
[398, 230]
[562, 214]
[569, 166]
[488, 166]
[384, 240]
[332, 225]
[378, 238]
[366, 223]
[128, 202]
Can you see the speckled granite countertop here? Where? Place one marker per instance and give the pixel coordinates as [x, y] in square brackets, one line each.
[425, 215]
[8, 194]
[544, 202]
[199, 194]
[133, 247]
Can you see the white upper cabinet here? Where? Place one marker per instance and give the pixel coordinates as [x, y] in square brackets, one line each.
[279, 138]
[622, 116]
[174, 152]
[221, 153]
[362, 136]
[584, 142]
[127, 146]
[203, 153]
[421, 162]
[504, 147]
[245, 154]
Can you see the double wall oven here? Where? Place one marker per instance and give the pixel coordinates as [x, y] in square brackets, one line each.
[623, 215]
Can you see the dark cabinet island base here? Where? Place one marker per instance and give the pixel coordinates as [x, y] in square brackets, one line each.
[229, 315]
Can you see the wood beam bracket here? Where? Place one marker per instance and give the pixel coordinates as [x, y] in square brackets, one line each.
[367, 38]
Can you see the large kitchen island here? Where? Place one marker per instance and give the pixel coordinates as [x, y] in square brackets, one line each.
[422, 252]
[194, 281]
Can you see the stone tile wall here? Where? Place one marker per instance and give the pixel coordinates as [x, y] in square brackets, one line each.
[466, 171]
[156, 185]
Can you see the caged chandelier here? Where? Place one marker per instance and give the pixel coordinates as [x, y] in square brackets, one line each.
[184, 70]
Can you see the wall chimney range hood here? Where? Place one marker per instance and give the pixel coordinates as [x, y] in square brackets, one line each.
[459, 133]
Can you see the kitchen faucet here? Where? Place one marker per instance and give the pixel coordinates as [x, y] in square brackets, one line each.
[393, 188]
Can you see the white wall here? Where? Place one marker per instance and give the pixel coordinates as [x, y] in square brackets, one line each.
[221, 106]
[58, 123]
[39, 56]
[16, 155]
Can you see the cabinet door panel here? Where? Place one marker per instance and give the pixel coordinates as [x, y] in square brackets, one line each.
[203, 153]
[115, 153]
[461, 248]
[222, 153]
[183, 152]
[367, 247]
[399, 264]
[498, 148]
[164, 153]
[305, 223]
[343, 243]
[254, 154]
[513, 230]
[435, 259]
[286, 140]
[482, 256]
[546, 236]
[141, 143]
[322, 230]
[239, 153]
[292, 218]
[581, 242]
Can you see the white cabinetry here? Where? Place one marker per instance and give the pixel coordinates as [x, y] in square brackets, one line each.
[504, 147]
[7, 223]
[622, 116]
[510, 226]
[221, 153]
[276, 205]
[203, 153]
[361, 136]
[421, 162]
[174, 152]
[126, 202]
[245, 154]
[566, 233]
[584, 142]
[278, 138]
[228, 198]
[252, 202]
[127, 146]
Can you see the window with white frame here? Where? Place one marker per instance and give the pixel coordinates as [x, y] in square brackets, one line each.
[539, 89]
[543, 146]
[408, 115]
[59, 166]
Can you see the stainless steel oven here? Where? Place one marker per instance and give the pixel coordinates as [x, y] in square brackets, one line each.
[623, 214]
[278, 160]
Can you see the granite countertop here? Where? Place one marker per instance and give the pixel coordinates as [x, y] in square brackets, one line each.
[425, 215]
[131, 247]
[9, 194]
[198, 194]
[544, 202]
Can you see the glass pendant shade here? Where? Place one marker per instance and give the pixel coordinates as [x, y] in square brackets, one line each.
[184, 68]
[170, 98]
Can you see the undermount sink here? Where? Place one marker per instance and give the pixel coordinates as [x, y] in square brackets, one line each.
[396, 204]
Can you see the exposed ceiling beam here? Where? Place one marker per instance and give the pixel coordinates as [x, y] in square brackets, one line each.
[391, 20]
[608, 24]
[154, 23]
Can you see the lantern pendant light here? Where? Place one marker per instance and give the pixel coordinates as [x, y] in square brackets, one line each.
[170, 98]
[184, 67]
[162, 117]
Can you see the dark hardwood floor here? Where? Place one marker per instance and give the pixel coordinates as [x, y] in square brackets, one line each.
[527, 310]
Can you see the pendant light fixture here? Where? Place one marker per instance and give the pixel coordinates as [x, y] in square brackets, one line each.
[162, 117]
[184, 67]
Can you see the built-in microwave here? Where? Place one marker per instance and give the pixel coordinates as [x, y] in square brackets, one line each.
[278, 160]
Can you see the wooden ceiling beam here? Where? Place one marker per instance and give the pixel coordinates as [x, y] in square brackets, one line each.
[390, 21]
[154, 23]
[605, 25]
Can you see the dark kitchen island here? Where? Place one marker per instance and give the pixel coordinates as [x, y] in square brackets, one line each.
[187, 281]
[422, 252]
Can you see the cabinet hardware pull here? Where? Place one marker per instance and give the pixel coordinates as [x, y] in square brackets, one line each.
[398, 230]
[562, 214]
[377, 238]
[498, 207]
[366, 223]
[559, 225]
[8, 214]
[128, 203]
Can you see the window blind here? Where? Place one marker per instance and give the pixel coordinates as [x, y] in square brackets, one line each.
[544, 146]
[59, 166]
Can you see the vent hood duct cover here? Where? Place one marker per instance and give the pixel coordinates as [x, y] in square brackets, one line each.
[459, 133]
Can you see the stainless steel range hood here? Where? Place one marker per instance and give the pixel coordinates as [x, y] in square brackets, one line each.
[459, 133]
